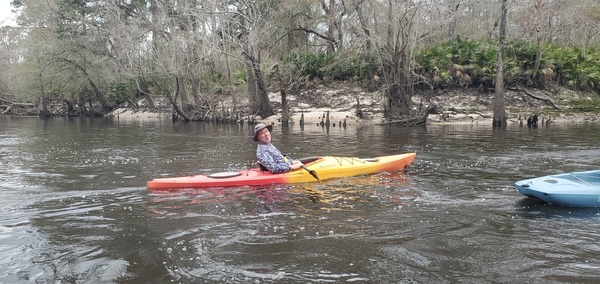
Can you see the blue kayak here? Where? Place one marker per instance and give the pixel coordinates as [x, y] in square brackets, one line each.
[576, 189]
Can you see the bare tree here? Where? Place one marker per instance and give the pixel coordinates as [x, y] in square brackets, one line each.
[250, 21]
[396, 59]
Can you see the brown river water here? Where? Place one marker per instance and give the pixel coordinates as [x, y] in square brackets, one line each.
[74, 207]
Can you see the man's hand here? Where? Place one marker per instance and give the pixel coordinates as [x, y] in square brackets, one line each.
[296, 165]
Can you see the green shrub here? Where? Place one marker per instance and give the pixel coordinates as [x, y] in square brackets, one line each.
[473, 63]
[118, 93]
[458, 62]
[361, 66]
[239, 77]
[575, 67]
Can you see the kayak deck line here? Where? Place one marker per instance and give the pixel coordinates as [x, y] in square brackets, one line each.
[588, 175]
[326, 167]
[352, 159]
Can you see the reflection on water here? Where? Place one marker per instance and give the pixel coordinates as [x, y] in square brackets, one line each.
[74, 207]
[533, 208]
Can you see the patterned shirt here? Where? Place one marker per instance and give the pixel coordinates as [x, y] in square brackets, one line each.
[271, 158]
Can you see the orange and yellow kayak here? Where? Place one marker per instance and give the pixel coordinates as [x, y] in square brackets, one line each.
[326, 167]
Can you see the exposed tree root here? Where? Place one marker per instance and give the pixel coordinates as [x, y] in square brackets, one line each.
[410, 121]
[545, 100]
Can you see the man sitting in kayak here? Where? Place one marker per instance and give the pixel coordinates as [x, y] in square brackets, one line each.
[268, 155]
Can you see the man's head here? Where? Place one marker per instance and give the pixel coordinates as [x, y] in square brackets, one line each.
[262, 133]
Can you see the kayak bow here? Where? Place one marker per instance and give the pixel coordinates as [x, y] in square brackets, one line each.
[327, 167]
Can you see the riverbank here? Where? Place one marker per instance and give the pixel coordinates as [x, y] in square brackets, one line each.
[350, 105]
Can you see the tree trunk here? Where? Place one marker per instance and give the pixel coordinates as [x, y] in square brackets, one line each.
[499, 119]
[99, 96]
[80, 105]
[257, 90]
[453, 21]
[184, 95]
[251, 85]
[398, 103]
[397, 67]
[265, 108]
[44, 113]
[390, 23]
[538, 58]
[330, 14]
[97, 92]
[363, 25]
[284, 108]
[143, 89]
[176, 106]
[69, 108]
[177, 111]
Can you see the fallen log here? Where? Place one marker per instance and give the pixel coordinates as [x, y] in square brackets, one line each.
[545, 100]
[7, 110]
[24, 105]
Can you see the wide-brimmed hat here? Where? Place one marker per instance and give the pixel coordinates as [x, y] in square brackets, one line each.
[260, 127]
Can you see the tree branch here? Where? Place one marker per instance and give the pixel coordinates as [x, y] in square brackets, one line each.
[310, 31]
[546, 101]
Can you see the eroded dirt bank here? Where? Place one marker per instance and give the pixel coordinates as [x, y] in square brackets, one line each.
[354, 106]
